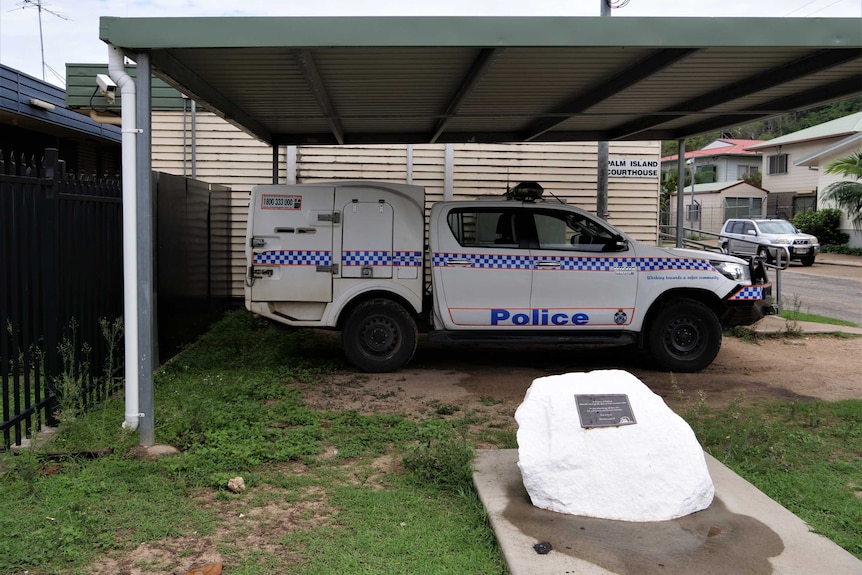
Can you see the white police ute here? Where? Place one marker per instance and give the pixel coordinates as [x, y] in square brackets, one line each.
[354, 256]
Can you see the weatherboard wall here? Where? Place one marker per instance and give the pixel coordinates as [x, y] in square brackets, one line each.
[221, 154]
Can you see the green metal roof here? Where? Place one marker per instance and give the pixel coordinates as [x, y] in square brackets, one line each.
[832, 129]
[364, 80]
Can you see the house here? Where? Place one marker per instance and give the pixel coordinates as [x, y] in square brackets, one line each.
[793, 185]
[716, 202]
[823, 157]
[724, 160]
[33, 116]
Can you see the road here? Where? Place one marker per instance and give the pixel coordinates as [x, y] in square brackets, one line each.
[827, 290]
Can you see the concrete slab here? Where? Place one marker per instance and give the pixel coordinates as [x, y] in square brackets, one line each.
[742, 532]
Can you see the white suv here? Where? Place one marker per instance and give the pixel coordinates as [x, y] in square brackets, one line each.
[764, 237]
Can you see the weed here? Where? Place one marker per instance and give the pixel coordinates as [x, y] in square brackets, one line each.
[112, 331]
[444, 408]
[444, 465]
[488, 400]
[71, 383]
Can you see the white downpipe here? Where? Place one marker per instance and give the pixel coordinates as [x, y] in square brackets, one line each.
[117, 71]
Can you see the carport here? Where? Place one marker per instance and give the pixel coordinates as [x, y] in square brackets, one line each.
[374, 80]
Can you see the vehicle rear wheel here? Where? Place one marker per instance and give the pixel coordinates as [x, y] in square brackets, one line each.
[807, 261]
[684, 336]
[379, 336]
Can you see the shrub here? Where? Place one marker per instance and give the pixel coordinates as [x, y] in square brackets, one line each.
[824, 224]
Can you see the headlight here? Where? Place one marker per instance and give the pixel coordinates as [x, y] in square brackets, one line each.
[782, 241]
[733, 271]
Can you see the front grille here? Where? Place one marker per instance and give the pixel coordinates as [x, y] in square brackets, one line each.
[800, 242]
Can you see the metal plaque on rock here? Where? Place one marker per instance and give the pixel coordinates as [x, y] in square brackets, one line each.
[605, 410]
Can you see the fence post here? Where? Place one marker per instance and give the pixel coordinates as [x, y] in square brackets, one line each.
[48, 261]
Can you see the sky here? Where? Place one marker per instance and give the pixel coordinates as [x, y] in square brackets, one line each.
[70, 28]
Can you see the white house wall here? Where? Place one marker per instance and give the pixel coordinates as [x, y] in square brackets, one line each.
[798, 178]
[712, 205]
[823, 181]
[224, 155]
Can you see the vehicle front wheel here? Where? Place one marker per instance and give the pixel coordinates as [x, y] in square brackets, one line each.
[685, 336]
[807, 261]
[379, 336]
[765, 254]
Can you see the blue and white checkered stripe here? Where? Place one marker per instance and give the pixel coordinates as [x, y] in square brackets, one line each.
[486, 261]
[293, 258]
[366, 258]
[748, 293]
[407, 259]
[588, 264]
[381, 258]
[574, 263]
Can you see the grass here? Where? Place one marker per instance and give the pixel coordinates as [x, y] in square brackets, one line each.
[795, 315]
[340, 491]
[806, 456]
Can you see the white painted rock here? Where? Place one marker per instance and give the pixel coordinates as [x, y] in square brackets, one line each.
[653, 470]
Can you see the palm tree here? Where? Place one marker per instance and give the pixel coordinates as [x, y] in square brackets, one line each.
[847, 195]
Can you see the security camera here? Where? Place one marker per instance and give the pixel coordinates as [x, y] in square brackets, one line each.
[107, 87]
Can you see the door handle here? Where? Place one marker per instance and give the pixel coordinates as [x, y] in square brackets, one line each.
[548, 264]
[458, 262]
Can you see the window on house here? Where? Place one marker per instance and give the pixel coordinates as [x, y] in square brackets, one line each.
[706, 173]
[742, 208]
[742, 171]
[777, 164]
[804, 203]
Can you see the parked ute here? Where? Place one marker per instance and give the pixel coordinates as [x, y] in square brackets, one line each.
[355, 256]
[765, 237]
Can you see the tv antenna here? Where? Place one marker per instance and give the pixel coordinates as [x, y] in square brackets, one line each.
[41, 7]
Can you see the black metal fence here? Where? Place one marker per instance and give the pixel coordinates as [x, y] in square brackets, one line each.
[60, 273]
[61, 282]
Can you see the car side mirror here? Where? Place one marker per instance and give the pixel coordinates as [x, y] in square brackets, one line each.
[751, 233]
[617, 244]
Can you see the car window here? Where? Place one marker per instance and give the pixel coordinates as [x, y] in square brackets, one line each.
[747, 226]
[572, 232]
[483, 227]
[777, 227]
[734, 227]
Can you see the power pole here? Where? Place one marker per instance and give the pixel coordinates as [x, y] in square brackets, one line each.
[602, 152]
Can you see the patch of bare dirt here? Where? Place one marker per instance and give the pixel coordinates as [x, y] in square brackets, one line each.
[487, 378]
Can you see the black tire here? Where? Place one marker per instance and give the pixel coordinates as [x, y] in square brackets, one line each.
[685, 336]
[724, 249]
[807, 261]
[379, 336]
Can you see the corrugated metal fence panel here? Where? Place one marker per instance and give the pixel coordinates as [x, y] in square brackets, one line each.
[191, 250]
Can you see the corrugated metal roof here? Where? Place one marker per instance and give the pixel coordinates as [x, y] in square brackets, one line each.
[848, 144]
[475, 79]
[717, 187]
[18, 89]
[838, 127]
[734, 148]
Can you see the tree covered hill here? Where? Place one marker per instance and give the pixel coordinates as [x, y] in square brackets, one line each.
[772, 127]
